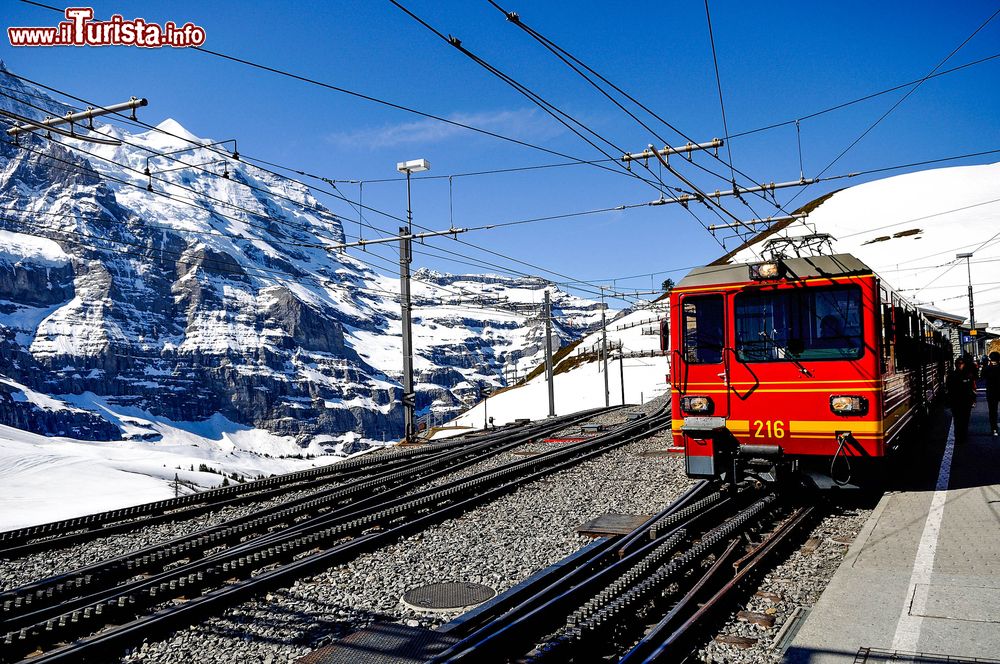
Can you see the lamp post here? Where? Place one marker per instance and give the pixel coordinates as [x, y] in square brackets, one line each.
[972, 308]
[405, 258]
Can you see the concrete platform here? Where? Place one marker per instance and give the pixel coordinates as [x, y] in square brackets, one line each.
[923, 575]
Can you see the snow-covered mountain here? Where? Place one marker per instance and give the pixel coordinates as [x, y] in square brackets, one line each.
[167, 290]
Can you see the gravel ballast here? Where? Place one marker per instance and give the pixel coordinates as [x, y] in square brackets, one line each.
[789, 587]
[17, 572]
[498, 544]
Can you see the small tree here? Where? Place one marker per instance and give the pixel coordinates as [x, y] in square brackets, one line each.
[667, 285]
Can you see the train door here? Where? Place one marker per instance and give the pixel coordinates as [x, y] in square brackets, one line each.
[701, 379]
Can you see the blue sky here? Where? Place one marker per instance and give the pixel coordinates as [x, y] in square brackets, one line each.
[777, 60]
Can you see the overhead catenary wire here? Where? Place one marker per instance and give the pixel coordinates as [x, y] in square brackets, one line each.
[350, 92]
[242, 221]
[174, 197]
[580, 68]
[215, 212]
[225, 268]
[899, 101]
[858, 100]
[359, 95]
[941, 72]
[589, 212]
[718, 83]
[577, 66]
[554, 111]
[534, 266]
[574, 161]
[339, 196]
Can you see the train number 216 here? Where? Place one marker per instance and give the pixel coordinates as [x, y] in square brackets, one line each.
[773, 428]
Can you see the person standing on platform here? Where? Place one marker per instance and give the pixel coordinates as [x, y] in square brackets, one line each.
[961, 396]
[991, 376]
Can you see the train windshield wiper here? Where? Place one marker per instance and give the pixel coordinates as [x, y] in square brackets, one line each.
[784, 352]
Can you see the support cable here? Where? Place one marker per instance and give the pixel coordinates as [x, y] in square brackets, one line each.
[552, 110]
[900, 100]
[336, 195]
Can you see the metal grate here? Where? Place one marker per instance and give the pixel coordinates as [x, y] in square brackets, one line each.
[612, 524]
[876, 656]
[383, 643]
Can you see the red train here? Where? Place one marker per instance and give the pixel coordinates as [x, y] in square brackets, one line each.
[808, 364]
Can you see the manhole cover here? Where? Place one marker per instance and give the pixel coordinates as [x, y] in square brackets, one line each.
[447, 596]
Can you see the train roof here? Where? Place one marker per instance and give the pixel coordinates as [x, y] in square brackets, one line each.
[837, 265]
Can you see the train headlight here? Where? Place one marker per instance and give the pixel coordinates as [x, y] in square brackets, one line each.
[765, 271]
[842, 404]
[701, 405]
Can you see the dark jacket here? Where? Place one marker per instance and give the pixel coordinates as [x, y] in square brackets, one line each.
[991, 376]
[961, 390]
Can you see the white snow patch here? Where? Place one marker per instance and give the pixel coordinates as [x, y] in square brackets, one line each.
[18, 248]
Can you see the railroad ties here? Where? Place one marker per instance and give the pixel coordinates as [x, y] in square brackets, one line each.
[631, 597]
[105, 608]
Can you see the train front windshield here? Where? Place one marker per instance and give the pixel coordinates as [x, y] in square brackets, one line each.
[822, 323]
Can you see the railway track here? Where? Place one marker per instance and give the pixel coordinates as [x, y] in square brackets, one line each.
[96, 613]
[644, 598]
[67, 532]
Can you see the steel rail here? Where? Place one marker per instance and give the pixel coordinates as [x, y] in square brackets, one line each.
[670, 648]
[61, 541]
[69, 531]
[606, 620]
[640, 650]
[294, 552]
[497, 639]
[63, 592]
[614, 591]
[555, 580]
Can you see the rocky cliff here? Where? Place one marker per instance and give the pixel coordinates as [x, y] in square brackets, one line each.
[201, 286]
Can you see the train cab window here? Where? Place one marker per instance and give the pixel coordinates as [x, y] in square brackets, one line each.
[803, 324]
[703, 329]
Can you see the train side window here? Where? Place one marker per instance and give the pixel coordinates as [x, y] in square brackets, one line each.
[887, 330]
[907, 337]
[703, 330]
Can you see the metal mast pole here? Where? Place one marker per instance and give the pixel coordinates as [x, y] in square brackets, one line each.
[548, 354]
[621, 371]
[604, 349]
[405, 258]
[972, 308]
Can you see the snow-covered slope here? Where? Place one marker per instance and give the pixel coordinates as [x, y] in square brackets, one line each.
[50, 478]
[163, 287]
[578, 381]
[908, 228]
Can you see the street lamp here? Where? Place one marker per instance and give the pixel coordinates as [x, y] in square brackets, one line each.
[405, 258]
[972, 308]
